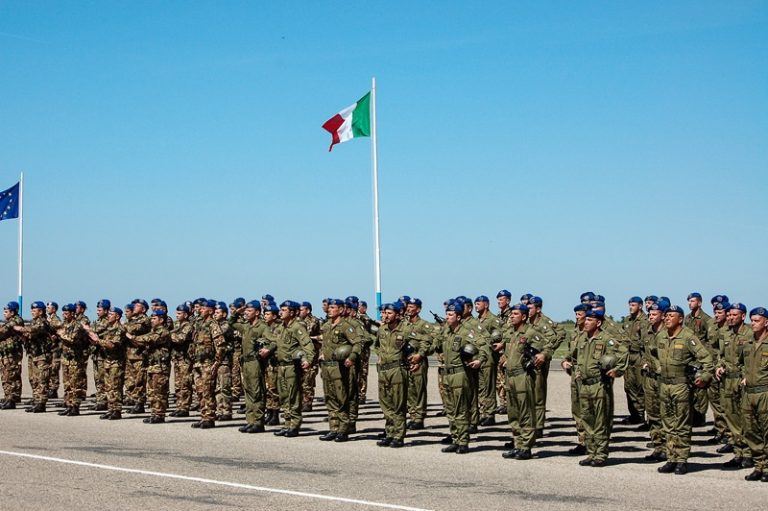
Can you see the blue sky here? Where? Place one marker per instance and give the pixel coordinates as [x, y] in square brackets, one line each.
[174, 149]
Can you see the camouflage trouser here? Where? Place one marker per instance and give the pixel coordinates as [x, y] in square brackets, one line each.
[289, 389]
[417, 392]
[55, 380]
[393, 389]
[362, 373]
[653, 411]
[75, 383]
[10, 373]
[113, 383]
[308, 384]
[458, 396]
[520, 407]
[273, 398]
[540, 394]
[576, 410]
[136, 380]
[254, 390]
[596, 404]
[486, 390]
[754, 408]
[237, 372]
[158, 377]
[98, 379]
[39, 378]
[204, 388]
[182, 382]
[676, 420]
[714, 390]
[633, 386]
[224, 390]
[338, 395]
[500, 380]
[731, 399]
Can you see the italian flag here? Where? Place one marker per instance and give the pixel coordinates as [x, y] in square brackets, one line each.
[352, 122]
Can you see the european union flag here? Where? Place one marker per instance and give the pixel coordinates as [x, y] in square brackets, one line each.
[9, 203]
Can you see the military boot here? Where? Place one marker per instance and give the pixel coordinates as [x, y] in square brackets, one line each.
[38, 408]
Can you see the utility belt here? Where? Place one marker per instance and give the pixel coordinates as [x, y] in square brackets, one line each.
[591, 381]
[390, 365]
[450, 370]
[756, 389]
[286, 364]
[673, 380]
[329, 363]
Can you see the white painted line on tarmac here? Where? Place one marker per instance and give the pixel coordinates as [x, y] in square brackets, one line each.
[211, 481]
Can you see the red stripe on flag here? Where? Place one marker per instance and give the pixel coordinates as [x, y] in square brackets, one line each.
[332, 126]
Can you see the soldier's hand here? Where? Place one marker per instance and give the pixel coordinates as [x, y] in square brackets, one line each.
[305, 365]
[699, 383]
[566, 364]
[349, 362]
[414, 367]
[264, 353]
[475, 364]
[539, 360]
[611, 373]
[719, 372]
[321, 357]
[499, 347]
[414, 359]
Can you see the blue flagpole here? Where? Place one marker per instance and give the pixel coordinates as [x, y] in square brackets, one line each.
[21, 244]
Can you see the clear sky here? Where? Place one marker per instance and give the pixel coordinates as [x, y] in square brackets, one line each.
[174, 149]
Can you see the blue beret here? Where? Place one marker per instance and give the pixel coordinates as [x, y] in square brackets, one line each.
[694, 295]
[738, 306]
[290, 304]
[104, 304]
[12, 306]
[581, 308]
[657, 307]
[464, 299]
[519, 307]
[81, 304]
[719, 299]
[352, 298]
[675, 308]
[636, 299]
[595, 313]
[307, 305]
[254, 304]
[222, 306]
[482, 298]
[504, 292]
[597, 304]
[535, 300]
[335, 301]
[362, 302]
[721, 306]
[391, 307]
[70, 307]
[268, 298]
[155, 301]
[271, 307]
[160, 313]
[415, 301]
[404, 299]
[238, 302]
[37, 305]
[526, 297]
[116, 310]
[162, 303]
[759, 311]
[142, 302]
[128, 306]
[54, 305]
[455, 307]
[665, 299]
[183, 308]
[200, 301]
[652, 298]
[587, 296]
[351, 304]
[210, 304]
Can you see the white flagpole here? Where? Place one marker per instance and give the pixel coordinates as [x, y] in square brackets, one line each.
[21, 243]
[374, 158]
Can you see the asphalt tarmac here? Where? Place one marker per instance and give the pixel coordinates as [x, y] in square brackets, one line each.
[83, 463]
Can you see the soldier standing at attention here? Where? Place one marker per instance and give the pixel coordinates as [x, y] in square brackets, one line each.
[312, 324]
[519, 373]
[370, 327]
[224, 373]
[341, 345]
[271, 320]
[460, 345]
[254, 365]
[634, 325]
[486, 391]
[651, 368]
[74, 360]
[112, 343]
[735, 340]
[51, 310]
[182, 356]
[755, 402]
[417, 376]
[293, 350]
[236, 309]
[678, 347]
[554, 335]
[717, 329]
[568, 364]
[210, 351]
[503, 299]
[698, 321]
[135, 357]
[598, 363]
[37, 343]
[157, 343]
[11, 354]
[97, 355]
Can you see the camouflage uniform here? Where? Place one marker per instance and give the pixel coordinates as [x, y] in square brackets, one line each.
[182, 353]
[136, 362]
[112, 342]
[270, 374]
[156, 344]
[11, 355]
[55, 379]
[210, 348]
[37, 345]
[97, 357]
[224, 374]
[74, 361]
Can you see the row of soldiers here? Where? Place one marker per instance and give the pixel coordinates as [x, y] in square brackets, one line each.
[479, 357]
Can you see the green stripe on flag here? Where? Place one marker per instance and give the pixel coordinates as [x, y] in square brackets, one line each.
[361, 117]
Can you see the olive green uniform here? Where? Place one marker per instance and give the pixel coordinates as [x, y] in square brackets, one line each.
[520, 377]
[715, 389]
[224, 373]
[502, 318]
[253, 370]
[456, 380]
[339, 381]
[554, 336]
[675, 353]
[651, 389]
[573, 341]
[309, 378]
[487, 376]
[417, 380]
[732, 346]
[699, 323]
[754, 404]
[634, 327]
[291, 338]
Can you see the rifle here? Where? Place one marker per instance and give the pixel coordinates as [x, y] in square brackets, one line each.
[438, 319]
